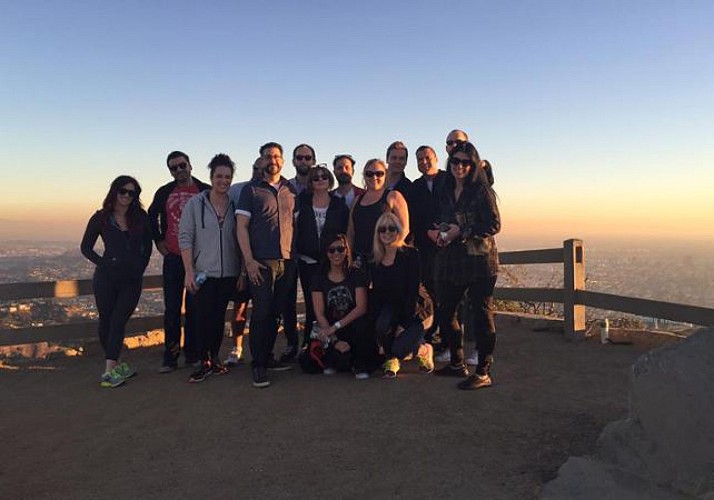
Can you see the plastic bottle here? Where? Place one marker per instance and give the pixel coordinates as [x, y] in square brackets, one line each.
[200, 279]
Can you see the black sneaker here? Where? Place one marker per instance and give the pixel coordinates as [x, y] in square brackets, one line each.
[278, 366]
[474, 382]
[260, 377]
[289, 354]
[203, 371]
[452, 371]
[218, 368]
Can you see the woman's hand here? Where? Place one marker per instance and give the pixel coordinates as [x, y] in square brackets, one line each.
[446, 237]
[253, 267]
[327, 333]
[433, 235]
[190, 281]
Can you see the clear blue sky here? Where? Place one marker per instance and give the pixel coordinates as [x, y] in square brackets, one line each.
[597, 115]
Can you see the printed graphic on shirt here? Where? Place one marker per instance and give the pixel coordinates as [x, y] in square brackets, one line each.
[174, 206]
[339, 301]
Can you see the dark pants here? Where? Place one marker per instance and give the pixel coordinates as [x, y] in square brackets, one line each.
[397, 346]
[307, 275]
[174, 274]
[211, 302]
[427, 258]
[289, 313]
[269, 300]
[116, 298]
[480, 298]
[362, 356]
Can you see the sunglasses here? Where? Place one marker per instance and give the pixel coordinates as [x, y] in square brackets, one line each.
[318, 178]
[182, 166]
[303, 157]
[339, 249]
[125, 192]
[384, 229]
[374, 173]
[454, 143]
[455, 162]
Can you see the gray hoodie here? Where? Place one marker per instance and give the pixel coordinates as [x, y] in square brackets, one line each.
[215, 249]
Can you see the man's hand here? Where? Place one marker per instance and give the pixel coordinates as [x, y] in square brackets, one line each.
[253, 267]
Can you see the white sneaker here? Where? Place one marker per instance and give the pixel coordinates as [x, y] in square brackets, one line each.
[473, 359]
[234, 358]
[329, 371]
[361, 375]
[444, 357]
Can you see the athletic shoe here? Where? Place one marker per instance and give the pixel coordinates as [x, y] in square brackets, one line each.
[329, 371]
[203, 371]
[452, 371]
[391, 367]
[218, 368]
[426, 361]
[112, 379]
[474, 382]
[473, 359]
[289, 354]
[234, 358]
[361, 375]
[443, 357]
[260, 377]
[125, 370]
[167, 368]
[277, 366]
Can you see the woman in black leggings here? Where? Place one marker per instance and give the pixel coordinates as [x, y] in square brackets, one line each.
[123, 226]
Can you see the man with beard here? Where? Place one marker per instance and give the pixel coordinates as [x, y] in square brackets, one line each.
[343, 166]
[303, 160]
[164, 216]
[265, 230]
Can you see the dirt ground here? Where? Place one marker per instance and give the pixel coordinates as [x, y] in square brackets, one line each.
[308, 436]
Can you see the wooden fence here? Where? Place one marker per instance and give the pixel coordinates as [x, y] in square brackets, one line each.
[572, 295]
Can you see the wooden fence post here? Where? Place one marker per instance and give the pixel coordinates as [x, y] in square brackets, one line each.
[573, 279]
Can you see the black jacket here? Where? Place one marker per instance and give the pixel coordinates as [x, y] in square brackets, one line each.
[423, 207]
[308, 243]
[157, 209]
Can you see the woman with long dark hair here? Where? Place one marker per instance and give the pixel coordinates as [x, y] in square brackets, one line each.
[467, 262]
[123, 226]
[399, 305]
[339, 298]
[320, 215]
[209, 250]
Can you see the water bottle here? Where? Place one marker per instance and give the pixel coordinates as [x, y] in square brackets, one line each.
[200, 279]
[315, 331]
[605, 331]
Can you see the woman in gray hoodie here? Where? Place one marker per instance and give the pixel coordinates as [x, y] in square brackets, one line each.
[209, 250]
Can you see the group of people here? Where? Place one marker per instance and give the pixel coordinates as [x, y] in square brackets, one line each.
[389, 271]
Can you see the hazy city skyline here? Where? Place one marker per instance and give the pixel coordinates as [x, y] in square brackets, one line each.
[596, 115]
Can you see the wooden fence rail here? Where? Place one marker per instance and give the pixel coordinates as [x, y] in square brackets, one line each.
[572, 295]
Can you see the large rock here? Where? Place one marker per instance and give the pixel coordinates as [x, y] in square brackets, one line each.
[667, 439]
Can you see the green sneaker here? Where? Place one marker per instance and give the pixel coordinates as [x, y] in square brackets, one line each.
[125, 370]
[112, 378]
[391, 367]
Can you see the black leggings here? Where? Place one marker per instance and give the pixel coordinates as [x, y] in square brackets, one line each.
[480, 296]
[116, 301]
[210, 304]
[406, 343]
[362, 356]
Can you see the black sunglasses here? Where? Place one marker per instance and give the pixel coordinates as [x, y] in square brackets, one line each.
[455, 162]
[182, 166]
[303, 157]
[339, 249]
[454, 143]
[374, 173]
[384, 229]
[125, 192]
[320, 178]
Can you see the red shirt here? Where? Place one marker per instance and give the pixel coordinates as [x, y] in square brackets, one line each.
[174, 206]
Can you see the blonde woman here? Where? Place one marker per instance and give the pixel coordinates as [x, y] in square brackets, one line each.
[399, 311]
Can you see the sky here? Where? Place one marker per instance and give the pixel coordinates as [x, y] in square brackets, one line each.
[596, 115]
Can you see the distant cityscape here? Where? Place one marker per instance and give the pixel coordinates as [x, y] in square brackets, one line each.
[682, 275]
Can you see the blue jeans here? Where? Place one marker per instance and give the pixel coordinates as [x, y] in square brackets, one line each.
[174, 275]
[269, 300]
